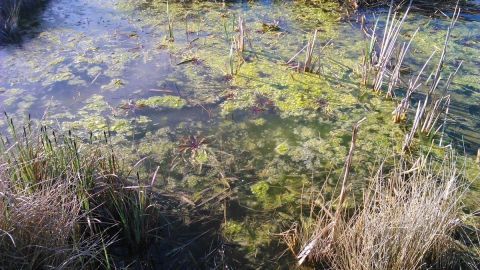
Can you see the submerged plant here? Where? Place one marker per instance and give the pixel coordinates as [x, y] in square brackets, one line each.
[131, 106]
[192, 147]
[261, 104]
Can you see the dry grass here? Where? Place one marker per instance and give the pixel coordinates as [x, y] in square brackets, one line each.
[41, 229]
[405, 221]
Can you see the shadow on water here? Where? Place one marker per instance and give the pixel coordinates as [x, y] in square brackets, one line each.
[18, 18]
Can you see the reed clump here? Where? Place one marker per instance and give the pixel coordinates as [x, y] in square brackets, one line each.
[383, 61]
[406, 220]
[40, 229]
[44, 191]
[313, 56]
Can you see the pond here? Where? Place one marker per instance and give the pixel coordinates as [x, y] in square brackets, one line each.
[163, 79]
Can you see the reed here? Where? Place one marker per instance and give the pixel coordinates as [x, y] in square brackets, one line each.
[325, 234]
[240, 40]
[312, 58]
[70, 203]
[238, 43]
[401, 111]
[369, 54]
[45, 185]
[430, 110]
[394, 77]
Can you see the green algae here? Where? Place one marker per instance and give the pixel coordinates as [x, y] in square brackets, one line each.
[260, 190]
[96, 103]
[114, 84]
[282, 148]
[173, 102]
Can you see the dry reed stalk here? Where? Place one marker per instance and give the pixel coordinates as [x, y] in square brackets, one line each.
[369, 53]
[240, 44]
[433, 114]
[311, 63]
[326, 232]
[416, 123]
[402, 109]
[405, 218]
[433, 109]
[308, 66]
[395, 74]
[388, 45]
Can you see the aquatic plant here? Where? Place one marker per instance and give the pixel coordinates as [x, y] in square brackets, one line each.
[309, 63]
[237, 48]
[323, 105]
[270, 27]
[191, 147]
[312, 60]
[131, 106]
[133, 209]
